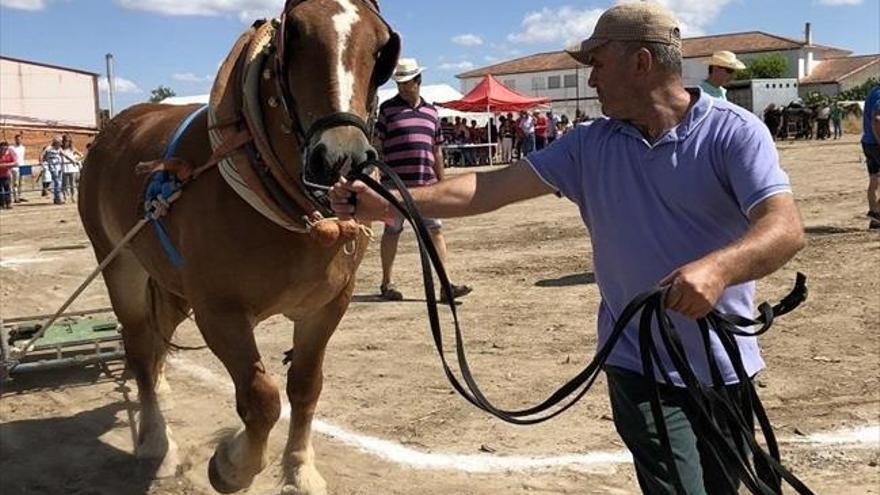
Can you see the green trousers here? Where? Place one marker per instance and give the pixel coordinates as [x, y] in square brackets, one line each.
[630, 403]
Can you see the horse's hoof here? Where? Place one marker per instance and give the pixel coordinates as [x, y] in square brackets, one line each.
[217, 481]
[306, 481]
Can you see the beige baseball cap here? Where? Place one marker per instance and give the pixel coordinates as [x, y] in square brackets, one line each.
[641, 21]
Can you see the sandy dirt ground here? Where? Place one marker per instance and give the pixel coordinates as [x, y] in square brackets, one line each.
[529, 325]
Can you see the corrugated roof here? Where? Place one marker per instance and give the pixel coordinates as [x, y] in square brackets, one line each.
[703, 46]
[836, 69]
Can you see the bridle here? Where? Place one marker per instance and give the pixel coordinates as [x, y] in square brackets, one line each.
[386, 61]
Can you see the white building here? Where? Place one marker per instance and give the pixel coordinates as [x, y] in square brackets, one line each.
[34, 94]
[40, 101]
[560, 78]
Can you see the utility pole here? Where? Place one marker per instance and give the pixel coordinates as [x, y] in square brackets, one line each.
[111, 83]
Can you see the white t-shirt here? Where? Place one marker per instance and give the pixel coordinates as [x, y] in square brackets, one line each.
[70, 162]
[19, 154]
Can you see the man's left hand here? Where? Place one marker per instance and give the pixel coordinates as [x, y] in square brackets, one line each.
[694, 288]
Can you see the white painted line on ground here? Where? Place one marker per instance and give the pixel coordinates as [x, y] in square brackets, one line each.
[486, 463]
[868, 436]
[14, 262]
[400, 454]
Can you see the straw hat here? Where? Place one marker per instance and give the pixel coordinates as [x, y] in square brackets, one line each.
[407, 70]
[642, 21]
[726, 59]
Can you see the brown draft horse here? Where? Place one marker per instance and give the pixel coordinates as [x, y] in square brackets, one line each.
[240, 268]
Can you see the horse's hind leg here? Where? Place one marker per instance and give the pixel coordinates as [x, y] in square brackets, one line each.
[147, 313]
[242, 455]
[305, 380]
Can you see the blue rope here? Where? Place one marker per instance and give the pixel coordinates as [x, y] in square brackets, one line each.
[161, 185]
[171, 150]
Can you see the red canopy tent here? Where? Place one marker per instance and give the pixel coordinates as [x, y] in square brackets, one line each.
[492, 96]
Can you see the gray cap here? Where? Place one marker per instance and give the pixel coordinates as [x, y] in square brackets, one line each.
[641, 21]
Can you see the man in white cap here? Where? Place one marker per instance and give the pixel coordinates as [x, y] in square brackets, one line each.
[677, 189]
[409, 137]
[722, 67]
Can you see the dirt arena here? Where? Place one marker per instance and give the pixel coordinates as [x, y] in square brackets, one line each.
[389, 421]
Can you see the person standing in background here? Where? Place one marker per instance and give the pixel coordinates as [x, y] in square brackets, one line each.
[527, 130]
[722, 67]
[552, 127]
[20, 150]
[409, 139]
[8, 161]
[837, 120]
[52, 170]
[540, 130]
[871, 148]
[71, 164]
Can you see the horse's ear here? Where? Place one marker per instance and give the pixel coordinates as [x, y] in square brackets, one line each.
[387, 61]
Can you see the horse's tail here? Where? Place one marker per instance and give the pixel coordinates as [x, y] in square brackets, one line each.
[165, 311]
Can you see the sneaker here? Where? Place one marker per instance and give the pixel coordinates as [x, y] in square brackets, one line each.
[457, 291]
[873, 215]
[390, 293]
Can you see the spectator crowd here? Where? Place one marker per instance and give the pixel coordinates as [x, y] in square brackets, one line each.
[511, 138]
[59, 164]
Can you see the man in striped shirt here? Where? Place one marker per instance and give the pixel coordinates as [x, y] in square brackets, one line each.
[409, 136]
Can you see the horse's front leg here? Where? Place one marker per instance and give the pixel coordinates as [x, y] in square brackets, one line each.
[304, 382]
[241, 455]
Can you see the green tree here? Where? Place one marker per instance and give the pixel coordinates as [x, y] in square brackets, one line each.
[772, 66]
[860, 92]
[161, 93]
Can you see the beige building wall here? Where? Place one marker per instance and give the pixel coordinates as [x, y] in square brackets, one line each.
[43, 96]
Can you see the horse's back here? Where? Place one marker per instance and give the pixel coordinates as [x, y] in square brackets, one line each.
[110, 185]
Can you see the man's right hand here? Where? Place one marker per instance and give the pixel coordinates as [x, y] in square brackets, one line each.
[356, 200]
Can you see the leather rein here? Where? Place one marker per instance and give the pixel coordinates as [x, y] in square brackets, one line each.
[745, 460]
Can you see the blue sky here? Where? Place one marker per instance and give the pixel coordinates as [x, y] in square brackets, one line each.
[179, 43]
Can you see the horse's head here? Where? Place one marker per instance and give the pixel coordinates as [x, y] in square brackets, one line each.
[332, 57]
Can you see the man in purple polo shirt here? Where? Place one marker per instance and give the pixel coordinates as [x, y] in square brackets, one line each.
[677, 189]
[408, 135]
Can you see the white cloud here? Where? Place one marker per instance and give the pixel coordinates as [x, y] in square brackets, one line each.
[562, 26]
[189, 77]
[695, 16]
[567, 25]
[467, 40]
[120, 85]
[464, 65]
[24, 4]
[835, 3]
[246, 10]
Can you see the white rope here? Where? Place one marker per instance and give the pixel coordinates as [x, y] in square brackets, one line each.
[20, 354]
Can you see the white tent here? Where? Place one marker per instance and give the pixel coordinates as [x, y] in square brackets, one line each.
[433, 93]
[186, 100]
